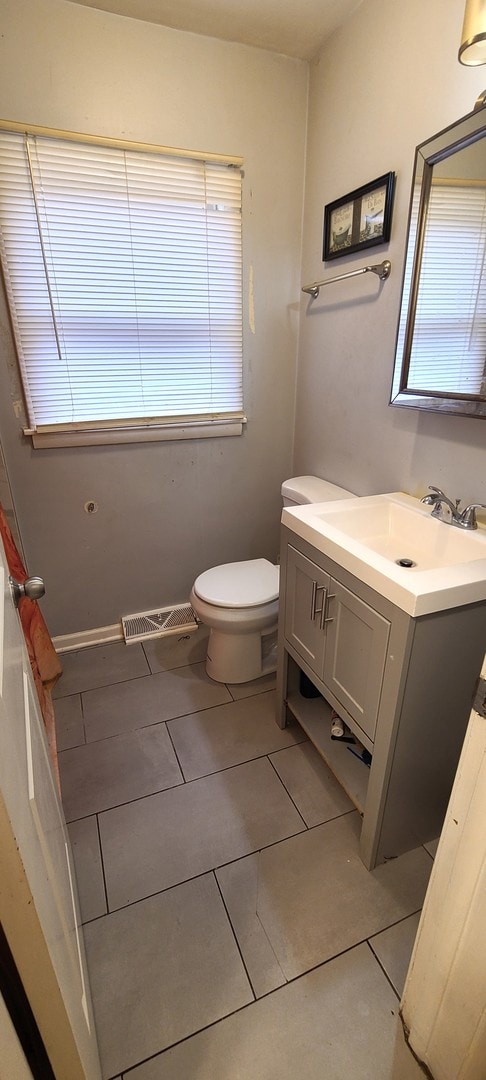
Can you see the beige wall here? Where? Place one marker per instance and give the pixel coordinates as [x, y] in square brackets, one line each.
[167, 511]
[388, 80]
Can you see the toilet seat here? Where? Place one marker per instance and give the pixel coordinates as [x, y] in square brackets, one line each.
[239, 585]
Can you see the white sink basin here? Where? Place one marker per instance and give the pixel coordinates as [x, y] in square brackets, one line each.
[444, 566]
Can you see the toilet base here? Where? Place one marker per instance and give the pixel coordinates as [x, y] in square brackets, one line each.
[240, 658]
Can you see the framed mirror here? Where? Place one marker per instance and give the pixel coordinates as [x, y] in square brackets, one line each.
[440, 360]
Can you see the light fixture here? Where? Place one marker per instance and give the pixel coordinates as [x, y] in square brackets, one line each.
[472, 50]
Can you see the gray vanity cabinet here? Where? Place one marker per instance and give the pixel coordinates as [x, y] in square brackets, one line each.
[342, 639]
[403, 686]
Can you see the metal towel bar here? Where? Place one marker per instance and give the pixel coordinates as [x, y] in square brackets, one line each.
[382, 269]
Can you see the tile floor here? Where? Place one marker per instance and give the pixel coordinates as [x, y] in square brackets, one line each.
[232, 932]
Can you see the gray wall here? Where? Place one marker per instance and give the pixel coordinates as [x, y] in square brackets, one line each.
[388, 80]
[167, 511]
[384, 82]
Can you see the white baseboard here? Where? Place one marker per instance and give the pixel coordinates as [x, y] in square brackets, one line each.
[100, 635]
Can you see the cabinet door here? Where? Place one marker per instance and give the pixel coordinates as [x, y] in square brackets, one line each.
[356, 647]
[305, 603]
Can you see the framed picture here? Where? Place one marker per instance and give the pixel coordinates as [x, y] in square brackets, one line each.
[360, 219]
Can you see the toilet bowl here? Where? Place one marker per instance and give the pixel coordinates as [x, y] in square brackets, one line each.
[239, 601]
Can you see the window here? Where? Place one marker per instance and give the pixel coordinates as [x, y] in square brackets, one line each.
[123, 274]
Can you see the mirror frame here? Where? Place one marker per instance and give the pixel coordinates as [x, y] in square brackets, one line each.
[456, 137]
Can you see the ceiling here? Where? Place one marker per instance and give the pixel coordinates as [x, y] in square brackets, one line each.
[292, 27]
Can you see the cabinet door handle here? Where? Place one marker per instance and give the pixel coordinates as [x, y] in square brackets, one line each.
[321, 611]
[324, 617]
[313, 601]
[314, 609]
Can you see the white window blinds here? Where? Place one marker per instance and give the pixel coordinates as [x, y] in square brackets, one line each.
[123, 274]
[448, 352]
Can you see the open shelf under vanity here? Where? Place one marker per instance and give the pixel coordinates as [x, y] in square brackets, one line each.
[314, 717]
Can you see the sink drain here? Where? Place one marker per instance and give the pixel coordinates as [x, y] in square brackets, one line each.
[405, 562]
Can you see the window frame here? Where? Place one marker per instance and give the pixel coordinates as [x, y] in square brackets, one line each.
[110, 431]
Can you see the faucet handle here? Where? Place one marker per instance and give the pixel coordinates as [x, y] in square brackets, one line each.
[468, 516]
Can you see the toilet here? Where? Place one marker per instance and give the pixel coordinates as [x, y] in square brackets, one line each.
[239, 600]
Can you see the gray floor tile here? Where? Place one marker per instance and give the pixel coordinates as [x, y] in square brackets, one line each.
[69, 722]
[229, 734]
[160, 970]
[113, 771]
[256, 686]
[167, 966]
[314, 898]
[167, 838]
[336, 1023]
[135, 704]
[100, 665]
[431, 847]
[169, 652]
[315, 791]
[89, 874]
[393, 947]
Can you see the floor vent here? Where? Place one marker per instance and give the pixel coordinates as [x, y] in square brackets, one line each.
[158, 623]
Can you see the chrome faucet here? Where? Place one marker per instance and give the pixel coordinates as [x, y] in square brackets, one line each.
[446, 510]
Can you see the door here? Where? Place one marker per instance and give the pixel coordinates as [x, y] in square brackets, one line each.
[12, 1059]
[443, 1002]
[305, 605]
[38, 906]
[356, 648]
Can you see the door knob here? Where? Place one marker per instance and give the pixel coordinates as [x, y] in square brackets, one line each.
[33, 588]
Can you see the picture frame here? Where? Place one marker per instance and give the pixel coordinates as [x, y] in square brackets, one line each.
[360, 219]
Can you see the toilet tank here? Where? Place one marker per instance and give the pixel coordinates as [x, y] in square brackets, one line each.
[311, 489]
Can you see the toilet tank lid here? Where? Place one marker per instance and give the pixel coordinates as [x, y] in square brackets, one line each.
[311, 489]
[240, 584]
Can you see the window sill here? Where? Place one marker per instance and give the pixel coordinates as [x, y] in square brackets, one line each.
[49, 439]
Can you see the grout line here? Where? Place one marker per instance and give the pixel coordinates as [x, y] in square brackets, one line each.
[261, 924]
[397, 922]
[182, 783]
[102, 861]
[223, 901]
[277, 774]
[81, 708]
[176, 755]
[200, 873]
[119, 806]
[230, 862]
[126, 1072]
[166, 720]
[104, 686]
[252, 1004]
[382, 968]
[118, 734]
[132, 678]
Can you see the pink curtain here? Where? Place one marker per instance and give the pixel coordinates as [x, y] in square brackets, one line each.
[45, 663]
